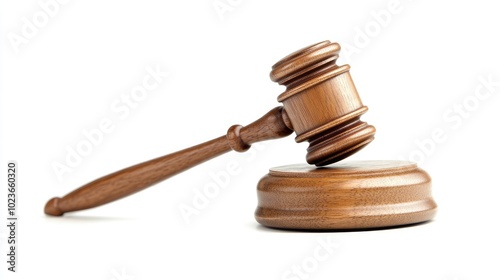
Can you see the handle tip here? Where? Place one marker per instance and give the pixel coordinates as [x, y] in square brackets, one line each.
[52, 207]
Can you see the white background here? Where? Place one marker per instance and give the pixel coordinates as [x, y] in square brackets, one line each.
[414, 70]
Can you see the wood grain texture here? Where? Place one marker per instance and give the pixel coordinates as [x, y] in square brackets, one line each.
[351, 195]
[322, 103]
[138, 177]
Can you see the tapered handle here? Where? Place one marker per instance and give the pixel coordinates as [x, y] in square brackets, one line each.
[138, 177]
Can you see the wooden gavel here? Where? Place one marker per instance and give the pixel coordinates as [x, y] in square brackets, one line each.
[320, 104]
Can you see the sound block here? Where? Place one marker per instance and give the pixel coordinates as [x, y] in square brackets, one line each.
[350, 195]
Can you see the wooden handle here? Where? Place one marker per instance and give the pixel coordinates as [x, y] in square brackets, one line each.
[138, 177]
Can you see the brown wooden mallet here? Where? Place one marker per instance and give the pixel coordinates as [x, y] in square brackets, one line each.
[320, 104]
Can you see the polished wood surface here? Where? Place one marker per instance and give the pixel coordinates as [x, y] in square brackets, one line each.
[138, 177]
[322, 103]
[350, 195]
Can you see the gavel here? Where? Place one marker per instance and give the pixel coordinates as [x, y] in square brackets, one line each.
[320, 104]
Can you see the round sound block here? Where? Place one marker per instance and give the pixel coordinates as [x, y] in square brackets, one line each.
[351, 195]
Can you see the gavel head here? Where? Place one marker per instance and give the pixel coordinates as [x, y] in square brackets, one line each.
[321, 103]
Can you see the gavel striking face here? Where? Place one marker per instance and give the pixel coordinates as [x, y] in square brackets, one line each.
[320, 104]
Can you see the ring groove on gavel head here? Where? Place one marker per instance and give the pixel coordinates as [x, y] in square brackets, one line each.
[322, 103]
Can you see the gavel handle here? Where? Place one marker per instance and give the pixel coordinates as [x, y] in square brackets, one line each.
[127, 181]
